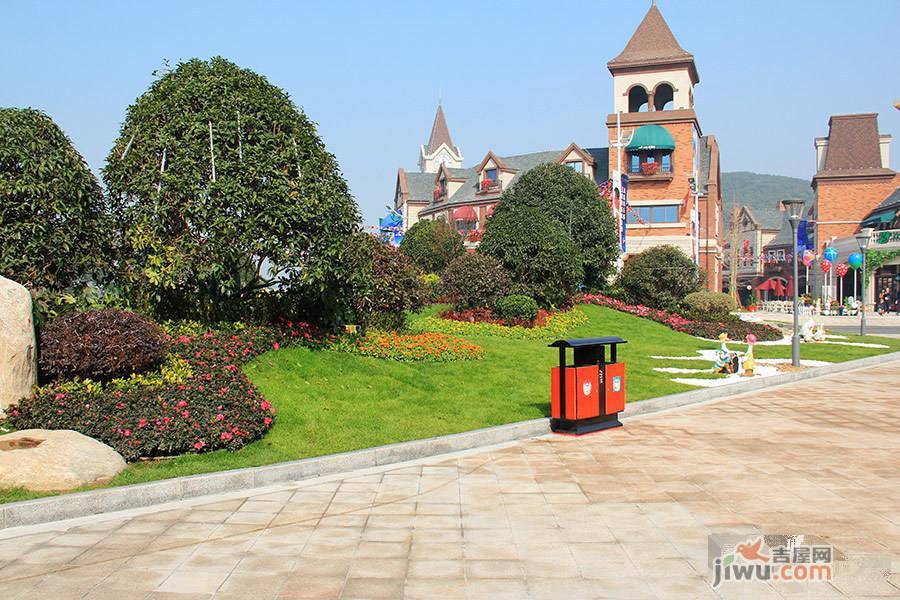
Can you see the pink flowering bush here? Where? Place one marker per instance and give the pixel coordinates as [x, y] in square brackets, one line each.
[213, 407]
[736, 329]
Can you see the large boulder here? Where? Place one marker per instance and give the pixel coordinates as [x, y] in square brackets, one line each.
[18, 367]
[42, 460]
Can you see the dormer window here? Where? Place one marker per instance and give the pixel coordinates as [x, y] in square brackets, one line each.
[491, 174]
[576, 165]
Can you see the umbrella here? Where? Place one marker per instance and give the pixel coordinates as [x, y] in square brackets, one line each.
[790, 287]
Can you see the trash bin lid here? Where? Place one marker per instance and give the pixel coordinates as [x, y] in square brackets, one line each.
[581, 342]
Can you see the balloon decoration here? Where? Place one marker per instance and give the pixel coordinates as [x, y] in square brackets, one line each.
[841, 269]
[855, 260]
[830, 254]
[825, 265]
[808, 257]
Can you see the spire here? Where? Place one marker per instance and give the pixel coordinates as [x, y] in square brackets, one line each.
[440, 133]
[651, 44]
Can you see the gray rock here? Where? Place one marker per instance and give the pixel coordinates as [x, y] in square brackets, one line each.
[18, 369]
[54, 461]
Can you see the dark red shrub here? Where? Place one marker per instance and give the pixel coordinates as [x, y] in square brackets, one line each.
[100, 345]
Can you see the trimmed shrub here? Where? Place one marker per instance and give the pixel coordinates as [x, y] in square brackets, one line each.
[395, 287]
[100, 345]
[55, 229]
[474, 280]
[708, 306]
[517, 306]
[427, 347]
[659, 277]
[544, 261]
[573, 201]
[431, 245]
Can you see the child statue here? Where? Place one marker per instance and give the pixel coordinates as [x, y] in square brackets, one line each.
[726, 360]
[749, 360]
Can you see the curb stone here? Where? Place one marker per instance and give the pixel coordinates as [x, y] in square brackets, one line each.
[141, 495]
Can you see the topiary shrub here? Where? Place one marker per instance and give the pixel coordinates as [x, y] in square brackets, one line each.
[517, 306]
[659, 277]
[394, 288]
[431, 245]
[55, 230]
[573, 201]
[100, 345]
[709, 305]
[474, 280]
[544, 261]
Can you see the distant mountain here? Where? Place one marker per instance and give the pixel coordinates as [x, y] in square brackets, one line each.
[762, 194]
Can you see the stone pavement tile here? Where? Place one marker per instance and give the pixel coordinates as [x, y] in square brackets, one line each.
[432, 589]
[248, 585]
[379, 568]
[191, 581]
[203, 562]
[496, 589]
[262, 564]
[311, 567]
[178, 596]
[372, 588]
[51, 555]
[488, 551]
[436, 551]
[494, 569]
[436, 569]
[145, 580]
[369, 549]
[559, 589]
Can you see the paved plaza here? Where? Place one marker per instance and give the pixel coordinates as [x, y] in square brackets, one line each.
[620, 514]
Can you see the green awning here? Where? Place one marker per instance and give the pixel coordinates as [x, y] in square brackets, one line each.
[885, 217]
[651, 137]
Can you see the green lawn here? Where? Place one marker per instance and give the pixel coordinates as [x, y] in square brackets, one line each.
[333, 402]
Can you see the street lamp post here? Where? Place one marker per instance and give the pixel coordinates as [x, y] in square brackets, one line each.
[863, 238]
[794, 209]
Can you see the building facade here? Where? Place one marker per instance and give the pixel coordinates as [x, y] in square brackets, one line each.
[657, 154]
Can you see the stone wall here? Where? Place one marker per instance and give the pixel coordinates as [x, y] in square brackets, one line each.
[18, 368]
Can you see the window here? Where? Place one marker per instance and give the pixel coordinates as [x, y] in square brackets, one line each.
[635, 163]
[665, 213]
[662, 157]
[491, 174]
[576, 165]
[666, 165]
[663, 97]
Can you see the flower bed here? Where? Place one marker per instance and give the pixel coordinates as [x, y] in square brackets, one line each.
[432, 347]
[198, 401]
[736, 329]
[547, 326]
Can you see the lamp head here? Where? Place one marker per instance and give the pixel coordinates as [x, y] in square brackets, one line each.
[864, 238]
[794, 208]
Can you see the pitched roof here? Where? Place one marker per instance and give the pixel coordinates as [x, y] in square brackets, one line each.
[652, 43]
[440, 133]
[420, 186]
[853, 146]
[785, 235]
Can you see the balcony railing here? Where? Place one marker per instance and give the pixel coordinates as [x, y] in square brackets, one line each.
[490, 186]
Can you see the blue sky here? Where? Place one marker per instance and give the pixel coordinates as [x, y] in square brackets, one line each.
[514, 77]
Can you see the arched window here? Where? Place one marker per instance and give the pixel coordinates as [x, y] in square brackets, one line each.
[664, 97]
[637, 99]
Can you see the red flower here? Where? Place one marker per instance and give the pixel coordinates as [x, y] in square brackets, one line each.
[199, 445]
[225, 436]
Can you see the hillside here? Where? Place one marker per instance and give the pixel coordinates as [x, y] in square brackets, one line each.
[762, 194]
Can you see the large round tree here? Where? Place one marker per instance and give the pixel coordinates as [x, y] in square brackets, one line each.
[54, 230]
[225, 190]
[541, 256]
[574, 202]
[432, 245]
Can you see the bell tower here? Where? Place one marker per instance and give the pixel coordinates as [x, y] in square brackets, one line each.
[440, 149]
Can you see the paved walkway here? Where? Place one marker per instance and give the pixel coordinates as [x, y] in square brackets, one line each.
[624, 513]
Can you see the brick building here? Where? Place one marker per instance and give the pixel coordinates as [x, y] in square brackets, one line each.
[853, 177]
[657, 153]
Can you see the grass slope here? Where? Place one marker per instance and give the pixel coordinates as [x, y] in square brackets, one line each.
[333, 402]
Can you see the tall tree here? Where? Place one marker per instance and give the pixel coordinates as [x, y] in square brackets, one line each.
[225, 190]
[574, 202]
[54, 228]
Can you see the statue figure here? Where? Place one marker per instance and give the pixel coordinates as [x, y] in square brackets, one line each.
[726, 361]
[749, 360]
[808, 329]
[819, 335]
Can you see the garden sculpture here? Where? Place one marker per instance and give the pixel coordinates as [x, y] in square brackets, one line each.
[749, 360]
[726, 361]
